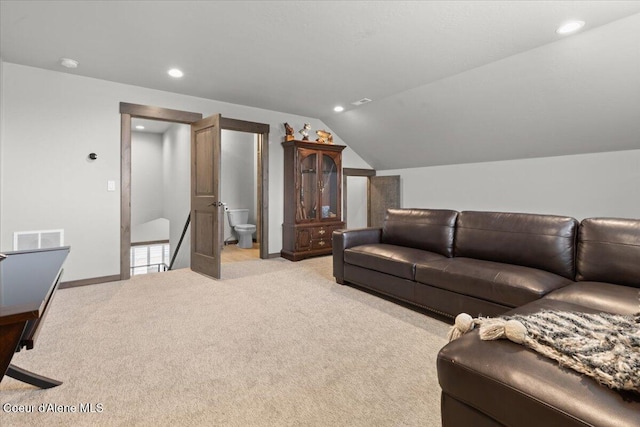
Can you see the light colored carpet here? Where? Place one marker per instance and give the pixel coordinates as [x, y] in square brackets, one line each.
[275, 343]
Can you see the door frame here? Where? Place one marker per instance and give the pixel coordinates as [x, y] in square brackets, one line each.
[261, 130]
[129, 111]
[365, 173]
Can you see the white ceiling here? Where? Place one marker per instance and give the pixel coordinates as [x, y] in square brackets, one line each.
[442, 74]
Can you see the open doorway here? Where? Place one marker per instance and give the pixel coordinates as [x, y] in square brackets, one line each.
[239, 194]
[130, 112]
[160, 182]
[355, 196]
[382, 193]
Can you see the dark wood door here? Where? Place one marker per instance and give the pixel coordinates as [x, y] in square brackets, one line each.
[206, 208]
[384, 193]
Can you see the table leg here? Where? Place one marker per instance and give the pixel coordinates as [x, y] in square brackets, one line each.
[31, 378]
[9, 338]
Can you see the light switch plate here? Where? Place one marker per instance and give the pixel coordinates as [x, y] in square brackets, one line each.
[111, 185]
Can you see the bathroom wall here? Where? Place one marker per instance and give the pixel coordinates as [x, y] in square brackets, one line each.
[238, 175]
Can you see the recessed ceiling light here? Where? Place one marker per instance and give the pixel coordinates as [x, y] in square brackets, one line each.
[570, 27]
[338, 108]
[174, 72]
[68, 63]
[140, 127]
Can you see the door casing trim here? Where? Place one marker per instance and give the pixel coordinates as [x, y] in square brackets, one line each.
[365, 173]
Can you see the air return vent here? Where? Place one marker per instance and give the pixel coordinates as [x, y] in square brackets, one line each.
[361, 101]
[26, 240]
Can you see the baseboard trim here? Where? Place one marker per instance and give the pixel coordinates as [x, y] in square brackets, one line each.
[231, 241]
[90, 281]
[114, 278]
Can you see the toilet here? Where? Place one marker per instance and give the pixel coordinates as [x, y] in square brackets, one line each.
[238, 219]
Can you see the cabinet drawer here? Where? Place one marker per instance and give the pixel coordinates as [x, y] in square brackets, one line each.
[323, 232]
[321, 244]
[315, 237]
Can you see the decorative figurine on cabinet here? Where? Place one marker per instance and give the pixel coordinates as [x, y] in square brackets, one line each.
[324, 137]
[305, 131]
[288, 132]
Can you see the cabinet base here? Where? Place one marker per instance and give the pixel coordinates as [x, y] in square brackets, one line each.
[297, 256]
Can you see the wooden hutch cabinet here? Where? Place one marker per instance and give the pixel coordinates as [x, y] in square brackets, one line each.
[312, 198]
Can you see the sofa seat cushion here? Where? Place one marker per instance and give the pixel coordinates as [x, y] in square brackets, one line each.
[390, 259]
[607, 297]
[506, 284]
[505, 380]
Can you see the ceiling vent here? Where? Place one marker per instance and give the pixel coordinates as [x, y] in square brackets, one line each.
[362, 101]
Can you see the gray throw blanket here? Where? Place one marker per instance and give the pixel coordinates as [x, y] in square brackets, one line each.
[603, 346]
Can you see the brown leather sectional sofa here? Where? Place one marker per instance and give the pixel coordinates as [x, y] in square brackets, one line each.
[492, 263]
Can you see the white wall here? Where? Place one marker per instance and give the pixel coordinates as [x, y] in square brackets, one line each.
[146, 178]
[52, 121]
[581, 186]
[151, 231]
[176, 183]
[238, 179]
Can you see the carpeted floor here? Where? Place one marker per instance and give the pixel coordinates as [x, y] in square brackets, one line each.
[275, 343]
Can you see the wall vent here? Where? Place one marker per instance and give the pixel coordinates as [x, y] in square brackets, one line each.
[361, 101]
[27, 240]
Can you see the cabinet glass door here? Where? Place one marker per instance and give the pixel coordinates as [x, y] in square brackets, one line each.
[329, 206]
[308, 195]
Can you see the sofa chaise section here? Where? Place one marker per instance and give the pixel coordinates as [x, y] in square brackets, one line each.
[501, 383]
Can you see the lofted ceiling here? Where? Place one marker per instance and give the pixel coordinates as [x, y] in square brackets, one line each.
[451, 81]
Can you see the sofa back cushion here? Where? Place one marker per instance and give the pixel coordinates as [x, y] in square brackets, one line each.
[546, 242]
[609, 251]
[428, 229]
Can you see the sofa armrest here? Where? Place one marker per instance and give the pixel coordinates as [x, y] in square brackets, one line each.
[345, 239]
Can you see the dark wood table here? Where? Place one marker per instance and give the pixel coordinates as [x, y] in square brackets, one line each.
[28, 281]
